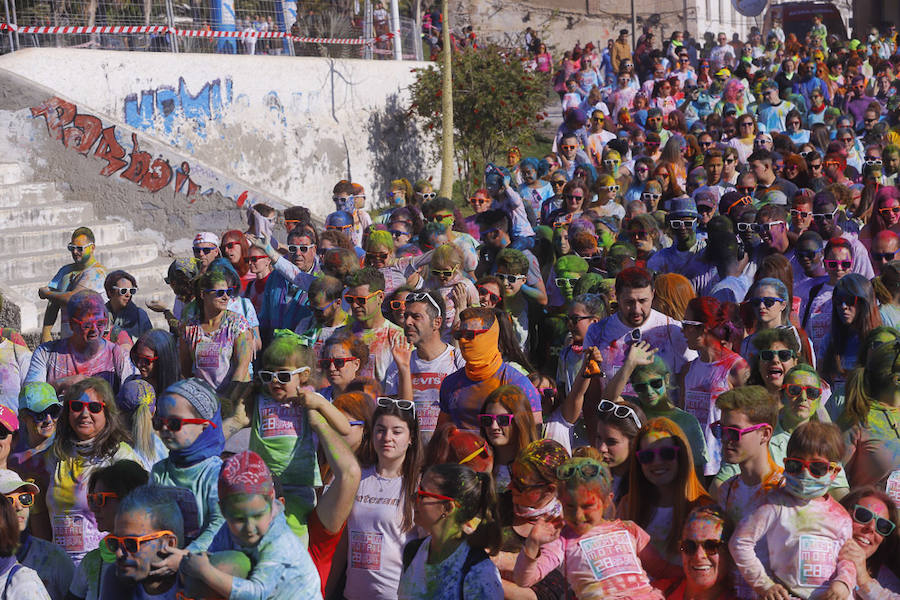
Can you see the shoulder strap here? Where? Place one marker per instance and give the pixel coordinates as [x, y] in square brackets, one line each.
[475, 556]
[409, 552]
[813, 292]
[9, 579]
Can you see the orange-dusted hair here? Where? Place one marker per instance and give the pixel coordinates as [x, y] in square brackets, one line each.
[643, 497]
[237, 236]
[451, 445]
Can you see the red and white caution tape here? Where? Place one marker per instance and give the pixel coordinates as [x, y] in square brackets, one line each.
[205, 33]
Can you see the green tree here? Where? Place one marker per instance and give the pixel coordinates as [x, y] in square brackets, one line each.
[497, 102]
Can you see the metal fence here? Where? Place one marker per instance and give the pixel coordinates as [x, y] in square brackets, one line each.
[334, 28]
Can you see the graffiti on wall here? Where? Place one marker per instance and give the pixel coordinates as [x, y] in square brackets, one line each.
[165, 104]
[87, 134]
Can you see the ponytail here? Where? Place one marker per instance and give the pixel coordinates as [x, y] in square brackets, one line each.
[856, 409]
[143, 434]
[487, 535]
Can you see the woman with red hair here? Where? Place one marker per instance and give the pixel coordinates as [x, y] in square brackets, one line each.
[716, 370]
[795, 170]
[885, 215]
[451, 445]
[662, 485]
[236, 249]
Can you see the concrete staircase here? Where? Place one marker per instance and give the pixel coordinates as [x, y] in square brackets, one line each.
[36, 222]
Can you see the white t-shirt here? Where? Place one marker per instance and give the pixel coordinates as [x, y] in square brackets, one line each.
[374, 539]
[442, 581]
[427, 376]
[25, 584]
[664, 333]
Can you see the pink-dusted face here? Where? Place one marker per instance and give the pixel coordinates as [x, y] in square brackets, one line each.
[865, 534]
[704, 568]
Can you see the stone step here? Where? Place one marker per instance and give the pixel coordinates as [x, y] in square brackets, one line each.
[54, 214]
[24, 241]
[45, 264]
[29, 194]
[11, 173]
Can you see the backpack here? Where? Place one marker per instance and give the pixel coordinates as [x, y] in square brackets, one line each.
[475, 556]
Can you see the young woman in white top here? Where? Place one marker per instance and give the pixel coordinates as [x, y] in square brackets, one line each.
[381, 522]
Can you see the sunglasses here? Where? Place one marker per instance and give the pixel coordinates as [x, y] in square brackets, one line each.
[619, 410]
[73, 247]
[377, 255]
[471, 456]
[486, 292]
[231, 245]
[801, 214]
[281, 376]
[385, 402]
[795, 391]
[576, 319]
[229, 292]
[838, 264]
[132, 544]
[94, 407]
[202, 251]
[570, 197]
[808, 254]
[890, 209]
[710, 547]
[816, 468]
[649, 196]
[174, 424]
[610, 188]
[123, 291]
[767, 227]
[252, 260]
[847, 300]
[783, 355]
[883, 256]
[396, 233]
[873, 162]
[438, 218]
[322, 309]
[524, 488]
[585, 470]
[398, 304]
[767, 301]
[732, 434]
[509, 278]
[446, 273]
[816, 166]
[467, 334]
[338, 227]
[502, 420]
[98, 499]
[553, 183]
[424, 297]
[650, 455]
[51, 411]
[341, 199]
[359, 300]
[325, 363]
[640, 234]
[682, 223]
[98, 324]
[568, 147]
[427, 195]
[863, 515]
[24, 499]
[644, 387]
[420, 493]
[299, 248]
[480, 201]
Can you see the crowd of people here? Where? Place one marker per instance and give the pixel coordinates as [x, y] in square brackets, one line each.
[661, 362]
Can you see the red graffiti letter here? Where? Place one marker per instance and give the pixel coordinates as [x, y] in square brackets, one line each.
[57, 112]
[158, 176]
[139, 165]
[111, 151]
[182, 176]
[84, 132]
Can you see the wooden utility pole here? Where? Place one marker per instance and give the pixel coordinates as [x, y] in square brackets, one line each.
[447, 161]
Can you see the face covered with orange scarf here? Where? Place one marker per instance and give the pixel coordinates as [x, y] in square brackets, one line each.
[480, 346]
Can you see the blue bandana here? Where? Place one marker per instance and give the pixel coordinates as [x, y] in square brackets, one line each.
[209, 443]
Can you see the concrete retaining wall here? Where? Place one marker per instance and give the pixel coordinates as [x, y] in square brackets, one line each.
[288, 127]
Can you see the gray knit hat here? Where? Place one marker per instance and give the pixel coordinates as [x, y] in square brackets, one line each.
[199, 393]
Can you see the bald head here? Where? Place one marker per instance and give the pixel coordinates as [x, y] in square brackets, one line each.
[884, 247]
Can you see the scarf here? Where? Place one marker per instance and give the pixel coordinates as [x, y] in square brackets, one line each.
[482, 354]
[211, 442]
[551, 510]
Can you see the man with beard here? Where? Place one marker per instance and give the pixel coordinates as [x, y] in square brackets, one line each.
[686, 254]
[86, 353]
[148, 524]
[430, 362]
[85, 273]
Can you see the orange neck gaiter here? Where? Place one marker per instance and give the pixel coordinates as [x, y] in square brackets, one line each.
[482, 354]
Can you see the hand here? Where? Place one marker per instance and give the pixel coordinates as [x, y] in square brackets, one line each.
[837, 590]
[156, 306]
[44, 292]
[401, 350]
[545, 530]
[641, 353]
[310, 400]
[261, 242]
[776, 592]
[170, 562]
[853, 552]
[195, 565]
[459, 296]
